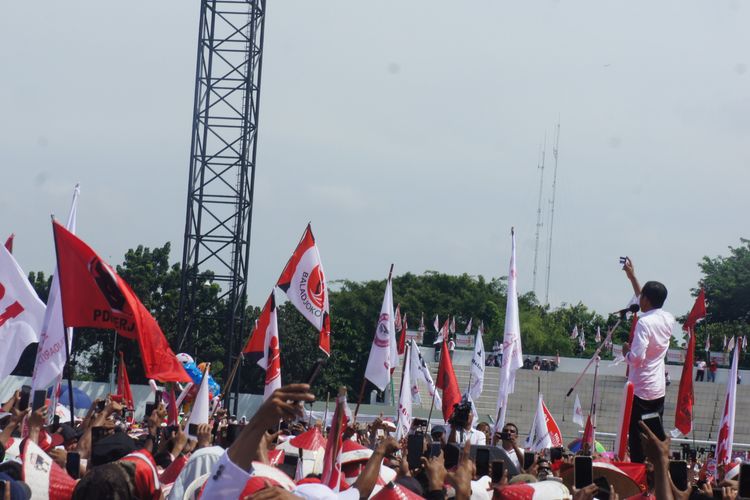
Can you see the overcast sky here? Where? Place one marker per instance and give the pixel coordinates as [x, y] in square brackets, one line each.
[407, 132]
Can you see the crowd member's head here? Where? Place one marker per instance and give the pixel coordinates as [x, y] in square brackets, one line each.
[653, 295]
[115, 481]
[509, 435]
[485, 428]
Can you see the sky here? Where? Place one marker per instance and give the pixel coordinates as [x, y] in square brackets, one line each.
[407, 132]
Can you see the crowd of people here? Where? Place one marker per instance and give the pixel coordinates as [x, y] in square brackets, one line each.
[119, 458]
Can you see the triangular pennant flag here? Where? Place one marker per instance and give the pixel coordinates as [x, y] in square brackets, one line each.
[467, 331]
[93, 295]
[578, 412]
[200, 412]
[698, 311]
[123, 384]
[9, 243]
[588, 435]
[446, 380]
[304, 282]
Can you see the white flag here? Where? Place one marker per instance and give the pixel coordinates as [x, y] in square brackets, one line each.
[726, 427]
[725, 343]
[21, 313]
[50, 353]
[578, 412]
[477, 368]
[403, 420]
[442, 334]
[708, 342]
[436, 324]
[544, 432]
[199, 414]
[730, 345]
[512, 351]
[574, 333]
[384, 351]
[453, 325]
[422, 328]
[598, 337]
[419, 370]
[468, 327]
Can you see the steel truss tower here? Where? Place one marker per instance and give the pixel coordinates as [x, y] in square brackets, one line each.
[222, 164]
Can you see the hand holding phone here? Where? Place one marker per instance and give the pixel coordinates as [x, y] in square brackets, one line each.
[583, 472]
[653, 422]
[498, 467]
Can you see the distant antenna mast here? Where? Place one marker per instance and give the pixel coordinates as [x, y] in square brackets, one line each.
[540, 166]
[552, 210]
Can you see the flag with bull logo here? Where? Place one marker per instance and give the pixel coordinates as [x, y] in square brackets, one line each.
[304, 282]
[384, 351]
[263, 346]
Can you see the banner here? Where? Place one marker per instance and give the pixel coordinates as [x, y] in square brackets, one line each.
[465, 341]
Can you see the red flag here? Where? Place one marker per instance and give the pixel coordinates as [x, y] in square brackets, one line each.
[123, 384]
[304, 283]
[402, 337]
[332, 475]
[683, 416]
[398, 323]
[588, 435]
[446, 380]
[698, 311]
[172, 413]
[9, 243]
[93, 295]
[725, 440]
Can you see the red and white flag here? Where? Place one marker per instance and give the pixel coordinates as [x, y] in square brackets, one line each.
[93, 295]
[683, 416]
[304, 282]
[403, 420]
[726, 428]
[422, 328]
[50, 353]
[588, 434]
[384, 351]
[21, 313]
[332, 475]
[512, 351]
[399, 326]
[544, 432]
[263, 346]
[446, 380]
[467, 331]
[123, 385]
[9, 243]
[698, 312]
[442, 334]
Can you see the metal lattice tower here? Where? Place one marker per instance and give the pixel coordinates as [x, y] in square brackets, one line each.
[222, 162]
[552, 211]
[540, 167]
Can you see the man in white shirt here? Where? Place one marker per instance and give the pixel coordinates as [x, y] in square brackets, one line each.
[461, 429]
[701, 371]
[645, 356]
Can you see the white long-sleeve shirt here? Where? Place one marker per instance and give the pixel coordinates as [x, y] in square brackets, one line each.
[647, 352]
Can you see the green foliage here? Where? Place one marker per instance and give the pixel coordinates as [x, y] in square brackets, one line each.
[727, 284]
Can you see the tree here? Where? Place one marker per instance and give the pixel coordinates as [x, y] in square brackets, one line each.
[727, 284]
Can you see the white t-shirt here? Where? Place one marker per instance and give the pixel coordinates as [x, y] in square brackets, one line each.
[647, 353]
[473, 435]
[702, 365]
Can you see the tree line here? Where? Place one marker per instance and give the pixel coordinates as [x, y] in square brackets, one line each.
[354, 311]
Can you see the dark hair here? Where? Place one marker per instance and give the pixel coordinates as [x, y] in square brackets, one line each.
[114, 481]
[655, 292]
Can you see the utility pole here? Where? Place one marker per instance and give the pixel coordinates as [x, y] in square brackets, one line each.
[540, 167]
[552, 210]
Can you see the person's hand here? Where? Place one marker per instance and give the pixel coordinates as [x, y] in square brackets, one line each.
[282, 405]
[180, 440]
[586, 493]
[11, 403]
[628, 268]
[59, 455]
[272, 493]
[434, 468]
[656, 450]
[461, 478]
[38, 418]
[157, 417]
[728, 493]
[204, 436]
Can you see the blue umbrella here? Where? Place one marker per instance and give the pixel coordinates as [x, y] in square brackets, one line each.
[80, 398]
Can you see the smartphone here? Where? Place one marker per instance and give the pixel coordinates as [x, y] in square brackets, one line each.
[39, 399]
[482, 461]
[435, 449]
[653, 422]
[23, 403]
[678, 471]
[73, 464]
[55, 423]
[193, 430]
[451, 453]
[505, 436]
[583, 472]
[744, 480]
[414, 449]
[498, 466]
[100, 405]
[528, 460]
[149, 409]
[555, 454]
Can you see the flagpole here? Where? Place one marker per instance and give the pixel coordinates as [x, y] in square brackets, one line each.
[595, 357]
[359, 400]
[593, 405]
[112, 376]
[325, 415]
[403, 371]
[434, 391]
